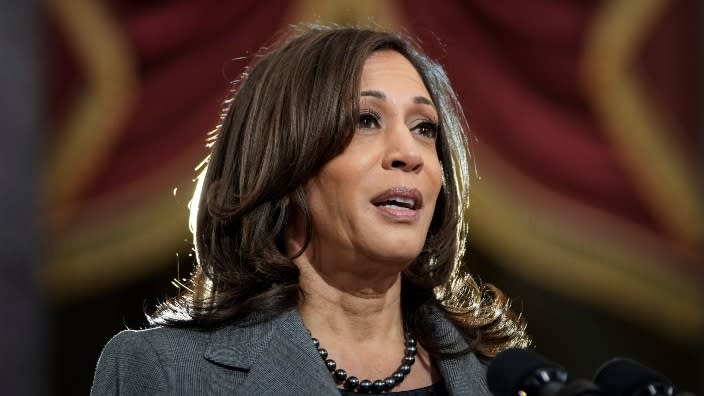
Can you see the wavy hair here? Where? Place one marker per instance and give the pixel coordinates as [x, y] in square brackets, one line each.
[293, 110]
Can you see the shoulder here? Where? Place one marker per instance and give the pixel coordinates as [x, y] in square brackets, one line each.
[165, 341]
[146, 361]
[184, 361]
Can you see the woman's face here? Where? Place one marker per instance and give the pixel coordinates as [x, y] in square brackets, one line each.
[374, 202]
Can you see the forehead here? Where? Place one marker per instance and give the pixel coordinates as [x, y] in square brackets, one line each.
[391, 70]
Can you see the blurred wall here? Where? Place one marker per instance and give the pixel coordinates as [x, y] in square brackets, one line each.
[23, 346]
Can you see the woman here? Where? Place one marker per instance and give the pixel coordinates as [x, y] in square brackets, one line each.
[329, 223]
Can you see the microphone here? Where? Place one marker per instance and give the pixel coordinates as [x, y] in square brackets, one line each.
[522, 372]
[626, 377]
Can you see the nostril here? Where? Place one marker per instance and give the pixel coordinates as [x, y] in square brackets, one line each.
[398, 164]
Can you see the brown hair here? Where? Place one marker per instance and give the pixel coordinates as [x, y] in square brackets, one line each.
[293, 110]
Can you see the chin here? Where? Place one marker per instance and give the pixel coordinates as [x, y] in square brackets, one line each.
[401, 252]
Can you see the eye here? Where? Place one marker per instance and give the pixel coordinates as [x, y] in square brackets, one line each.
[369, 119]
[426, 128]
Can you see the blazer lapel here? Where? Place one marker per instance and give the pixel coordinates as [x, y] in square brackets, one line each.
[278, 355]
[465, 374]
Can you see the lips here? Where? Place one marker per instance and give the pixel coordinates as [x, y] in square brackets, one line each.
[400, 198]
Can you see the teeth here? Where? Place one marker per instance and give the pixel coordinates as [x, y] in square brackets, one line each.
[406, 201]
[401, 202]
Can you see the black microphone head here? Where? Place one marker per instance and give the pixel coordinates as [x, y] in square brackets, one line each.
[626, 377]
[520, 369]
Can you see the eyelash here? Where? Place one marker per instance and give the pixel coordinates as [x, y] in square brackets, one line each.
[431, 126]
[433, 133]
[376, 117]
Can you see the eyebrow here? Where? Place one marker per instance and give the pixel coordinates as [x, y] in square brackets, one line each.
[380, 95]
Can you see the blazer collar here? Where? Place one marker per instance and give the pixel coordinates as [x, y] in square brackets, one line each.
[281, 359]
[465, 374]
[278, 354]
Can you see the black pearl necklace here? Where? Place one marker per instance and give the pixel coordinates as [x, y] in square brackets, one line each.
[367, 386]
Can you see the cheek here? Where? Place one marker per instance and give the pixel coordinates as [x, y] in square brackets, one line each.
[436, 174]
[435, 181]
[341, 180]
[324, 194]
[316, 194]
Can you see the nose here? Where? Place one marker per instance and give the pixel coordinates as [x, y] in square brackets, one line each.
[402, 151]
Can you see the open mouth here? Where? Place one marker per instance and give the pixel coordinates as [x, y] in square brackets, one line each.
[397, 202]
[400, 198]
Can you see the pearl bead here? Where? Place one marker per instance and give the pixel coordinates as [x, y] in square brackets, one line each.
[411, 350]
[365, 385]
[352, 382]
[316, 342]
[330, 364]
[390, 382]
[323, 353]
[340, 375]
[409, 360]
[398, 376]
[410, 342]
[379, 386]
[405, 369]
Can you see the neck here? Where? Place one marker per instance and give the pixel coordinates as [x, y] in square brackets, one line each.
[358, 319]
[347, 306]
[348, 296]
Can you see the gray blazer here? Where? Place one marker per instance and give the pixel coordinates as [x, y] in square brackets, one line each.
[275, 357]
